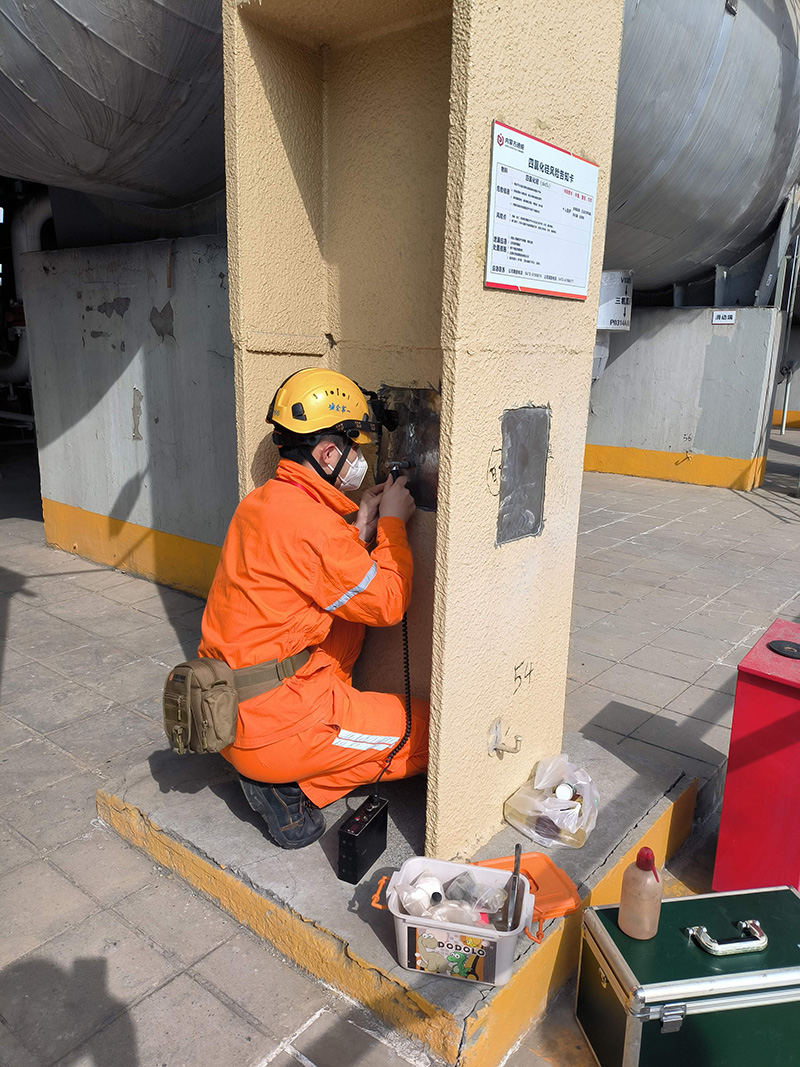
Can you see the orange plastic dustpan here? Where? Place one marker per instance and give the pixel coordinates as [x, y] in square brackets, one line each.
[555, 894]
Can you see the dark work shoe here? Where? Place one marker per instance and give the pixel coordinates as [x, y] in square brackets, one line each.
[292, 820]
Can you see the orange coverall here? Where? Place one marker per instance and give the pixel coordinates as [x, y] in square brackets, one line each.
[293, 574]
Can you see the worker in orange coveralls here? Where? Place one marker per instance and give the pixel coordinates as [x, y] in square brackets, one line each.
[295, 575]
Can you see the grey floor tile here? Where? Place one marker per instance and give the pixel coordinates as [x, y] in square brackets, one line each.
[269, 988]
[687, 736]
[10, 658]
[12, 733]
[91, 661]
[106, 734]
[706, 705]
[101, 578]
[31, 767]
[141, 678]
[707, 648]
[57, 814]
[583, 666]
[637, 753]
[50, 637]
[58, 996]
[608, 711]
[672, 664]
[720, 678]
[133, 591]
[157, 638]
[598, 642]
[177, 918]
[169, 603]
[585, 616]
[638, 684]
[180, 1025]
[104, 866]
[333, 1040]
[21, 682]
[14, 849]
[710, 625]
[13, 1053]
[38, 903]
[49, 711]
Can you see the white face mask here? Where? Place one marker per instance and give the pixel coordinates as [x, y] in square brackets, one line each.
[354, 475]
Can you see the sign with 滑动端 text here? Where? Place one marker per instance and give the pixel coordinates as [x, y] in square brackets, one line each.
[541, 216]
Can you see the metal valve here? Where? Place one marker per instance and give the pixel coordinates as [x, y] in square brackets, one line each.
[497, 745]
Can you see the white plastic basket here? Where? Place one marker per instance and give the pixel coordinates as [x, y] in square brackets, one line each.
[469, 953]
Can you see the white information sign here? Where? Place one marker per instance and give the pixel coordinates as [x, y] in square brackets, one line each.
[541, 216]
[614, 310]
[723, 318]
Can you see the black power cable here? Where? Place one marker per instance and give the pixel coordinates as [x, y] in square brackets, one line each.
[407, 734]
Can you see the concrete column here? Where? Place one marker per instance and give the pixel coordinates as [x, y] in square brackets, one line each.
[503, 614]
[357, 145]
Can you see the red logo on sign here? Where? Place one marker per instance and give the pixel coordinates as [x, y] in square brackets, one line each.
[500, 139]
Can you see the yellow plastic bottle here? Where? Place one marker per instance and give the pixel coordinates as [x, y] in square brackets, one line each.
[640, 897]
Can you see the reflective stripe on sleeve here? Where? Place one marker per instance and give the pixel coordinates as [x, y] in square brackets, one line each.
[362, 585]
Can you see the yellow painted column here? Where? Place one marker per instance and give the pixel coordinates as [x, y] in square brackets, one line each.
[502, 614]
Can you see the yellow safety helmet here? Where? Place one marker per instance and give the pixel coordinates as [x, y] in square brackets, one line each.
[316, 401]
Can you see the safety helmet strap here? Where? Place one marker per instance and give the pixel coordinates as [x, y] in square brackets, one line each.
[329, 476]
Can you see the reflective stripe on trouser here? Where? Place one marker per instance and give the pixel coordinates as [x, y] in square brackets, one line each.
[349, 748]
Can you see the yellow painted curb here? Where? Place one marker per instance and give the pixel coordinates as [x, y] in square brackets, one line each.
[688, 467]
[316, 949]
[487, 1035]
[162, 557]
[792, 418]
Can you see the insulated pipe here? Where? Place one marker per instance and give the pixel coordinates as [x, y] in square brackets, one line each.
[26, 229]
[789, 314]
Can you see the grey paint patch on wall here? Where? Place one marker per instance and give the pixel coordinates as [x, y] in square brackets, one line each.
[181, 477]
[526, 440]
[677, 383]
[163, 321]
[137, 413]
[118, 306]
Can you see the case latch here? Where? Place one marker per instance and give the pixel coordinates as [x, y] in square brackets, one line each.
[672, 1016]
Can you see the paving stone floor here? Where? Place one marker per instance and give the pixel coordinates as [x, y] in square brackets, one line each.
[107, 960]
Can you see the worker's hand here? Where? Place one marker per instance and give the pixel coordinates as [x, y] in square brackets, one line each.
[367, 519]
[396, 501]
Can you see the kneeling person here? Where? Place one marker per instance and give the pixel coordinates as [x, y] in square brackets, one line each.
[296, 584]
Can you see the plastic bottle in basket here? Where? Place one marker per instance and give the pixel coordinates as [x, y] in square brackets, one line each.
[640, 897]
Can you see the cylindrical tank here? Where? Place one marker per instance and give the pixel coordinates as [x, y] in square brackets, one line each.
[707, 136]
[121, 98]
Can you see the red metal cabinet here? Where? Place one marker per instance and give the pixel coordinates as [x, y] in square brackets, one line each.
[759, 836]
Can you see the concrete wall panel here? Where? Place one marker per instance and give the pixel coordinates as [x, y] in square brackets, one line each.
[132, 374]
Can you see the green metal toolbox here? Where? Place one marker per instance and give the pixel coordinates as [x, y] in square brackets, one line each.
[718, 986]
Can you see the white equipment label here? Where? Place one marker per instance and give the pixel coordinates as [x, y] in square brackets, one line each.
[541, 216]
[723, 318]
[616, 290]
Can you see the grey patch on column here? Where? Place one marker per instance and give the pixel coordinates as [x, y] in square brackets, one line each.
[137, 413]
[163, 321]
[526, 439]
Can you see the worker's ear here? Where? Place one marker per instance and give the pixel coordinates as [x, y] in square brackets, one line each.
[327, 454]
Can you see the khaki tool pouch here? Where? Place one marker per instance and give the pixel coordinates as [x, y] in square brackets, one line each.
[201, 699]
[200, 706]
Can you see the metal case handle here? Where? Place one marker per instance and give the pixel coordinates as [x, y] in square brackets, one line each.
[757, 940]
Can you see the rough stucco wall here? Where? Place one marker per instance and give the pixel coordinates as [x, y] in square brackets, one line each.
[132, 376]
[337, 173]
[498, 607]
[672, 383]
[386, 180]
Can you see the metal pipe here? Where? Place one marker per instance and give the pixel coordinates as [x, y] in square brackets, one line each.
[786, 384]
[789, 314]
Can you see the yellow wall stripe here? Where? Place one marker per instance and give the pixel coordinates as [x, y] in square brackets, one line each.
[724, 471]
[162, 557]
[792, 418]
[492, 1030]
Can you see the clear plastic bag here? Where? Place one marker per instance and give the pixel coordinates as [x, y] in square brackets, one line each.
[537, 812]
